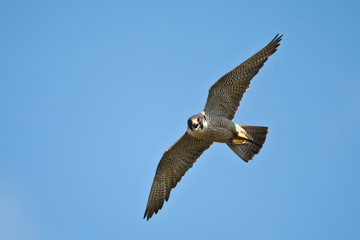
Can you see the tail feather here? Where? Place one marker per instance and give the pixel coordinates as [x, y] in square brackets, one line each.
[256, 138]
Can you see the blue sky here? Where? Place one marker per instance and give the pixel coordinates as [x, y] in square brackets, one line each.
[93, 92]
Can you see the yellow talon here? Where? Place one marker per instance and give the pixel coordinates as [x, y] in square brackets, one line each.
[242, 135]
[239, 141]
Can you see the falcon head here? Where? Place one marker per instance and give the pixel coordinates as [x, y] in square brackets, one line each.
[196, 122]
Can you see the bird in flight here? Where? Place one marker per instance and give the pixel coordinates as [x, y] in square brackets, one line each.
[213, 124]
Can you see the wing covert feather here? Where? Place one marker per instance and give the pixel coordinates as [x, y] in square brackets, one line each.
[225, 95]
[175, 162]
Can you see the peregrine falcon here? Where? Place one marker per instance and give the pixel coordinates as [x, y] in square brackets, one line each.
[213, 124]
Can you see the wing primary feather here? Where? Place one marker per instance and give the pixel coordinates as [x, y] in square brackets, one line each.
[175, 162]
[225, 94]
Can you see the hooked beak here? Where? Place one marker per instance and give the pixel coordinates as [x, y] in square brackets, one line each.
[193, 124]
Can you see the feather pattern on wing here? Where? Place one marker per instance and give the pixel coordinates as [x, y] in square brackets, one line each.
[225, 95]
[175, 162]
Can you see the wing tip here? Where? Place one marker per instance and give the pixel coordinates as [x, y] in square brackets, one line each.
[273, 45]
[276, 40]
[151, 210]
[148, 214]
[146, 211]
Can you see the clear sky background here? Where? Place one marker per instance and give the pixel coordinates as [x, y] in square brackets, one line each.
[93, 92]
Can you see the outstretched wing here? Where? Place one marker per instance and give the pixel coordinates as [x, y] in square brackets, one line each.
[176, 160]
[225, 95]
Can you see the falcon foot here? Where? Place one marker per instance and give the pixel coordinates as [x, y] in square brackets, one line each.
[241, 139]
[237, 141]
